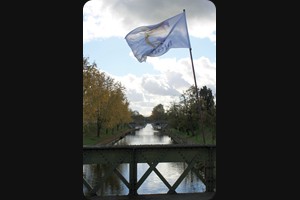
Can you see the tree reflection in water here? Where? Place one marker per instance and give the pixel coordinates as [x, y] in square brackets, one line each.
[112, 185]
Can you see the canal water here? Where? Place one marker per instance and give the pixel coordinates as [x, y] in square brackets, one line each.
[152, 185]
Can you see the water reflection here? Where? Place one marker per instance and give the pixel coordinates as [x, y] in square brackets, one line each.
[112, 185]
[145, 136]
[152, 185]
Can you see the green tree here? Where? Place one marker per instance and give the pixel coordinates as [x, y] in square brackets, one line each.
[190, 114]
[208, 99]
[137, 118]
[158, 113]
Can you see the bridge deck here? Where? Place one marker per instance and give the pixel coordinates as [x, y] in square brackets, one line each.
[186, 196]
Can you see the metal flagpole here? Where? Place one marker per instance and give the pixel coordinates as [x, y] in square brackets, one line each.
[197, 95]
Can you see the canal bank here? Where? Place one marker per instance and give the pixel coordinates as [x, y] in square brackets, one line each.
[113, 139]
[177, 138]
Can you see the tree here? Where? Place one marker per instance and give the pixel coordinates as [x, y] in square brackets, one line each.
[137, 118]
[208, 98]
[186, 115]
[95, 95]
[104, 101]
[191, 110]
[158, 113]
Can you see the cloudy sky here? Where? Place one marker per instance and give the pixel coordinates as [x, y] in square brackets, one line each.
[159, 80]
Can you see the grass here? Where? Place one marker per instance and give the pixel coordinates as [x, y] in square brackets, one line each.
[90, 140]
[197, 138]
[90, 137]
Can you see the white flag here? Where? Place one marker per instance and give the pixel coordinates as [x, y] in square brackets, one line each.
[156, 40]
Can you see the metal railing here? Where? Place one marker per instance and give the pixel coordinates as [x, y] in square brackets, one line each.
[201, 159]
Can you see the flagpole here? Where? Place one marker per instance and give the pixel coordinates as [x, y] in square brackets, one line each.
[197, 95]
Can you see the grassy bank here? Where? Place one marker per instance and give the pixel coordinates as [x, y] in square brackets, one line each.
[184, 137]
[90, 137]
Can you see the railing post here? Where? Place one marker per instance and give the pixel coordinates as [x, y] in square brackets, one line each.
[133, 174]
[209, 171]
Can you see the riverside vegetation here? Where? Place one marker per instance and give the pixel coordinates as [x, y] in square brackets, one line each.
[106, 112]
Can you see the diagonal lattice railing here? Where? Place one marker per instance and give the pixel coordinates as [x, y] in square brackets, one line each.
[201, 159]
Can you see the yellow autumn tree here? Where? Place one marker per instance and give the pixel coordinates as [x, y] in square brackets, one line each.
[104, 101]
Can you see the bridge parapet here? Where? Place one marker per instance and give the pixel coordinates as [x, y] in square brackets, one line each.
[201, 159]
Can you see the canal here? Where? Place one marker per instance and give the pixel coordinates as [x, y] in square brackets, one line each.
[152, 185]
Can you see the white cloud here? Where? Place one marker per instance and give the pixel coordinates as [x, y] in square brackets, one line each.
[103, 19]
[100, 22]
[135, 96]
[158, 85]
[175, 77]
[181, 72]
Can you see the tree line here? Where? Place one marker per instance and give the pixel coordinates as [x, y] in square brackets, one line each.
[104, 102]
[189, 115]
